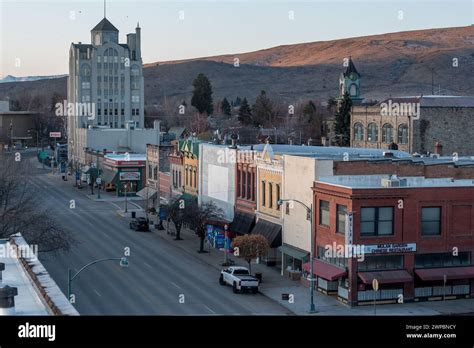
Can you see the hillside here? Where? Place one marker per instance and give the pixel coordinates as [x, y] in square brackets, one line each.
[390, 64]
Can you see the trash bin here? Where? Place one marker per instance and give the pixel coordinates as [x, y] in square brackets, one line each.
[258, 276]
[134, 214]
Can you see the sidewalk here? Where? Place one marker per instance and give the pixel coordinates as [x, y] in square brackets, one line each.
[274, 285]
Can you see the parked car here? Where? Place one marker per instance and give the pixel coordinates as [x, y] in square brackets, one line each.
[139, 224]
[239, 278]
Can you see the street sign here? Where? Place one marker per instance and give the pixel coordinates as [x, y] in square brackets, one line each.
[55, 134]
[43, 155]
[98, 181]
[375, 285]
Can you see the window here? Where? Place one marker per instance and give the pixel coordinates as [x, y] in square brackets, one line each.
[338, 261]
[195, 178]
[149, 171]
[373, 133]
[324, 213]
[244, 184]
[239, 180]
[186, 175]
[358, 132]
[263, 193]
[253, 186]
[403, 134]
[270, 192]
[443, 260]
[385, 262]
[376, 221]
[341, 219]
[249, 185]
[287, 210]
[431, 221]
[155, 173]
[277, 196]
[387, 133]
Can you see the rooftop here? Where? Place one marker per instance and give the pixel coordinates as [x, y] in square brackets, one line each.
[379, 181]
[126, 156]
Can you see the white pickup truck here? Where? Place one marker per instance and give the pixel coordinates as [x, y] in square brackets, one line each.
[239, 278]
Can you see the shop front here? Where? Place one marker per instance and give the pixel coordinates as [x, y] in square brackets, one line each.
[218, 238]
[126, 173]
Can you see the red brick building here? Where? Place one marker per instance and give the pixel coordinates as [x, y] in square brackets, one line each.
[414, 235]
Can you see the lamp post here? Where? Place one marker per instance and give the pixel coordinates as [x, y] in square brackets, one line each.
[226, 257]
[71, 277]
[309, 212]
[99, 180]
[125, 186]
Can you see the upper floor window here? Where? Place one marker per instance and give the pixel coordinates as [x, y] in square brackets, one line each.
[358, 132]
[324, 213]
[376, 221]
[387, 133]
[373, 133]
[270, 193]
[431, 221]
[403, 134]
[341, 219]
[264, 194]
[277, 196]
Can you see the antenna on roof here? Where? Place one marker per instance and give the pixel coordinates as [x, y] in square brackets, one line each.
[105, 8]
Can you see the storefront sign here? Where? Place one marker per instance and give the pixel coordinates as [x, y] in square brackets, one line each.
[129, 176]
[390, 248]
[349, 228]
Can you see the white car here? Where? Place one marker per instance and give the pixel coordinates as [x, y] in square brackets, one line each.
[239, 278]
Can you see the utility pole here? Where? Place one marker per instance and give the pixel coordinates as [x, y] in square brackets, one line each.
[99, 181]
[125, 190]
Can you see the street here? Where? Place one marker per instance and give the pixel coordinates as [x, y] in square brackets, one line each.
[160, 280]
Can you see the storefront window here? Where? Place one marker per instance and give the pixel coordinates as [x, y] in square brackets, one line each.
[442, 260]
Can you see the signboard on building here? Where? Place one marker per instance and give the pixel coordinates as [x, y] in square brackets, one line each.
[390, 248]
[55, 134]
[129, 176]
[349, 229]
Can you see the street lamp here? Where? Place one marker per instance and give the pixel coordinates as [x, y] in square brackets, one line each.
[123, 263]
[309, 216]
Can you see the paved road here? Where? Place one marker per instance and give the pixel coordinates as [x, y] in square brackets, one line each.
[160, 275]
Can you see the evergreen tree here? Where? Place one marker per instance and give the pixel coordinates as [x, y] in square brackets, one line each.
[226, 110]
[245, 113]
[202, 95]
[238, 101]
[263, 110]
[342, 124]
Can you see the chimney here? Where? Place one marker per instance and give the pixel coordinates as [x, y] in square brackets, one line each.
[438, 149]
[2, 268]
[7, 300]
[233, 138]
[310, 142]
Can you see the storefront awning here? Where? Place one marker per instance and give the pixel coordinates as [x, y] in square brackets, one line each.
[386, 277]
[242, 223]
[270, 231]
[147, 193]
[325, 270]
[296, 253]
[108, 176]
[451, 273]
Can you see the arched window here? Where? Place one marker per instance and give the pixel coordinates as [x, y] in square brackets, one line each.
[403, 134]
[387, 133]
[358, 131]
[373, 133]
[353, 90]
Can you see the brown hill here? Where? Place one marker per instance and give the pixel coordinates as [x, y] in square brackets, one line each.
[390, 64]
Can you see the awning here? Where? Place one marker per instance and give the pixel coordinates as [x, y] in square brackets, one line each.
[451, 273]
[108, 176]
[270, 231]
[243, 223]
[296, 253]
[147, 193]
[386, 277]
[187, 197]
[325, 270]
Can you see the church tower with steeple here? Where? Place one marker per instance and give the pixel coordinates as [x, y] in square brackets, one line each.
[349, 82]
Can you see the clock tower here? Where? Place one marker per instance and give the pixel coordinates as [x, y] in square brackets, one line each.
[349, 82]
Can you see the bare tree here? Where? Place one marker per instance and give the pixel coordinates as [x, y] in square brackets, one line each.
[198, 216]
[21, 210]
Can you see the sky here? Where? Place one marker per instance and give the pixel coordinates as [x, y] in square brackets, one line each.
[35, 35]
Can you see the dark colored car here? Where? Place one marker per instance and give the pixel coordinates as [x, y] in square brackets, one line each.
[139, 224]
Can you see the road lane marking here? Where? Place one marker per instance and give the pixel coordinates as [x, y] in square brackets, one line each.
[146, 264]
[210, 310]
[98, 293]
[176, 285]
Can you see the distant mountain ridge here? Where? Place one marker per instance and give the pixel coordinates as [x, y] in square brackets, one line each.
[11, 78]
[393, 64]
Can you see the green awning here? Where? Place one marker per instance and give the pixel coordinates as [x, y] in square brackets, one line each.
[296, 253]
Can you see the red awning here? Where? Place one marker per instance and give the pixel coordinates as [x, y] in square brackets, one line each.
[451, 273]
[325, 270]
[386, 277]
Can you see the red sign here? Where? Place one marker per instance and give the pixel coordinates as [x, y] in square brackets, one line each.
[55, 134]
